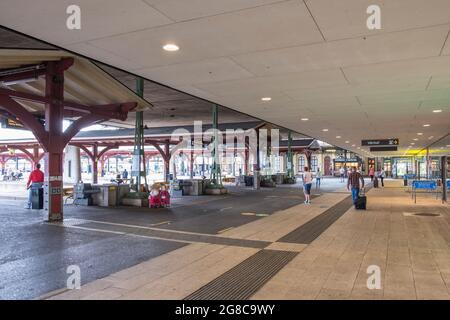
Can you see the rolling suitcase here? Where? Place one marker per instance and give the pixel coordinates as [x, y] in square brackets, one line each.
[361, 202]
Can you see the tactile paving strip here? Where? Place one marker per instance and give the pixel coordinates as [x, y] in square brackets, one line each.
[309, 231]
[245, 279]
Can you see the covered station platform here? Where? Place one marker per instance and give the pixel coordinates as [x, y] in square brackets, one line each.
[225, 105]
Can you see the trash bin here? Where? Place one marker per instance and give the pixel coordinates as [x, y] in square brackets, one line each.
[405, 181]
[248, 181]
[37, 196]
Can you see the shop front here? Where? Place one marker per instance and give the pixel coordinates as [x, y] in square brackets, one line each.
[347, 160]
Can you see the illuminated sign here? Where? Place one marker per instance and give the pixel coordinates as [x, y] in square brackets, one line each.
[380, 142]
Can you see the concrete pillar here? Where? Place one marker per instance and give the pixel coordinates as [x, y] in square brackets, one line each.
[72, 165]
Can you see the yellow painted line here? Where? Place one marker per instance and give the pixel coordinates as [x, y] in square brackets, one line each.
[51, 294]
[224, 230]
[160, 223]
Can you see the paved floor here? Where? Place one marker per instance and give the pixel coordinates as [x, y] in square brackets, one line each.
[408, 244]
[34, 255]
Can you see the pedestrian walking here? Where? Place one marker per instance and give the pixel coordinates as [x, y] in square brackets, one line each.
[307, 179]
[318, 178]
[353, 183]
[382, 175]
[371, 173]
[342, 174]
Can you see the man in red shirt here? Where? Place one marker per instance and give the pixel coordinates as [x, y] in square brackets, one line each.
[36, 179]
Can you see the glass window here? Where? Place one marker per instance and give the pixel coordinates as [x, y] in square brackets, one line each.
[301, 163]
[314, 163]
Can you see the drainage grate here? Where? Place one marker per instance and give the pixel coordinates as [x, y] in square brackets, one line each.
[309, 231]
[243, 280]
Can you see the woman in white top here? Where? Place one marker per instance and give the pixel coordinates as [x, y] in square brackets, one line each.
[307, 183]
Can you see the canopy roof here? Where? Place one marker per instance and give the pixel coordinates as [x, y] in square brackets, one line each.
[85, 83]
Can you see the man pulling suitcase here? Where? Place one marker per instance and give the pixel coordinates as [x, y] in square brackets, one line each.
[353, 181]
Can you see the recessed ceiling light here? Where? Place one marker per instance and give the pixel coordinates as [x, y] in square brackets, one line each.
[426, 125]
[347, 141]
[419, 133]
[437, 111]
[430, 137]
[338, 137]
[415, 139]
[171, 47]
[442, 147]
[324, 130]
[448, 145]
[353, 145]
[266, 99]
[412, 143]
[304, 119]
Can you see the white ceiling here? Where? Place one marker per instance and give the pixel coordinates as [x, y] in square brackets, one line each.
[315, 58]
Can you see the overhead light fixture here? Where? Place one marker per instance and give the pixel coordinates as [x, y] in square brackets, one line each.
[304, 119]
[412, 143]
[426, 125]
[353, 145]
[419, 133]
[430, 137]
[347, 141]
[338, 137]
[266, 98]
[437, 111]
[415, 139]
[325, 130]
[171, 47]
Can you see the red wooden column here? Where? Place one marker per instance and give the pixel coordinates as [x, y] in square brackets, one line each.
[36, 157]
[2, 163]
[94, 164]
[191, 160]
[167, 162]
[246, 156]
[54, 111]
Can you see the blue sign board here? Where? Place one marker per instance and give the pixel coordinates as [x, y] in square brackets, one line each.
[425, 184]
[448, 184]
